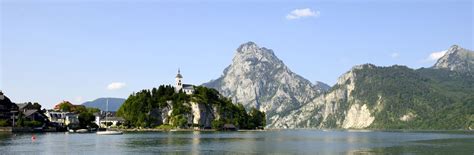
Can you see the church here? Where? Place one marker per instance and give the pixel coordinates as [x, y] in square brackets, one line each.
[186, 88]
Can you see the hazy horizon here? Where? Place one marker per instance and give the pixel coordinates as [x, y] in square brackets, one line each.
[82, 50]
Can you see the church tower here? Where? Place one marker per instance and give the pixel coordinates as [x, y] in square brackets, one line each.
[179, 81]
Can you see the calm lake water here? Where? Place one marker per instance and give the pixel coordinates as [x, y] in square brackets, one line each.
[252, 142]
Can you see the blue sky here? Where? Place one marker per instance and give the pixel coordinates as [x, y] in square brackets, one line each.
[53, 51]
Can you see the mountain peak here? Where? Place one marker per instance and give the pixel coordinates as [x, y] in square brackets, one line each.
[247, 47]
[251, 48]
[456, 59]
[364, 66]
[454, 48]
[257, 78]
[252, 57]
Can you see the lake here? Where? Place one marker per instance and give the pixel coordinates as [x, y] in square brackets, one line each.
[242, 142]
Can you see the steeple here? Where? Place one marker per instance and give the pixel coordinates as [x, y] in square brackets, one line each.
[179, 81]
[179, 74]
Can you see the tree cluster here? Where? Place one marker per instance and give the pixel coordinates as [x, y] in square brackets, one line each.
[144, 109]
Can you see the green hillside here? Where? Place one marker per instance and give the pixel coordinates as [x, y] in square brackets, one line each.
[428, 98]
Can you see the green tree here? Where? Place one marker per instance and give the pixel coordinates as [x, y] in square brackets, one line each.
[257, 119]
[65, 106]
[217, 124]
[4, 123]
[141, 109]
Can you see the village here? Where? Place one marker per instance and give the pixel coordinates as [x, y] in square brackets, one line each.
[175, 114]
[65, 116]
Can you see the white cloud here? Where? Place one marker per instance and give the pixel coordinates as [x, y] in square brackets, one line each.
[302, 13]
[395, 55]
[436, 55]
[116, 86]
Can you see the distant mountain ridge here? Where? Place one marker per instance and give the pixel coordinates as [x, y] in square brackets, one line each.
[257, 78]
[395, 97]
[100, 103]
[367, 96]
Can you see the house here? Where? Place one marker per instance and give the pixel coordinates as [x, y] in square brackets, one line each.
[186, 88]
[111, 119]
[63, 118]
[23, 107]
[32, 112]
[7, 108]
[34, 115]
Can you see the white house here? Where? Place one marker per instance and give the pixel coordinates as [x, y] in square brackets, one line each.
[62, 118]
[112, 120]
[186, 88]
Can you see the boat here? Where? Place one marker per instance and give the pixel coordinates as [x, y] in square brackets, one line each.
[78, 131]
[82, 131]
[108, 132]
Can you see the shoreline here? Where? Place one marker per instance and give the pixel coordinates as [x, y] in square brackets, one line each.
[180, 130]
[31, 130]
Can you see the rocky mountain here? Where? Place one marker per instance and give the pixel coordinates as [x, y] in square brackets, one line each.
[257, 78]
[395, 97]
[100, 103]
[457, 59]
[322, 86]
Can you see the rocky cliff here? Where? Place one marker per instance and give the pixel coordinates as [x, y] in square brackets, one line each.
[257, 78]
[456, 59]
[331, 109]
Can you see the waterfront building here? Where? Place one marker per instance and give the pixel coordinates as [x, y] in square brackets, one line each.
[63, 118]
[7, 108]
[112, 119]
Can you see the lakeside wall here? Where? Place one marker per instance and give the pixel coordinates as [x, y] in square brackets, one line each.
[6, 129]
[26, 129]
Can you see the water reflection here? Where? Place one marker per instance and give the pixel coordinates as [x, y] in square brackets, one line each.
[196, 142]
[269, 142]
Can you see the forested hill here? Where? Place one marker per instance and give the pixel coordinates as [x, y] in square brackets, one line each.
[205, 108]
[101, 103]
[403, 98]
[395, 97]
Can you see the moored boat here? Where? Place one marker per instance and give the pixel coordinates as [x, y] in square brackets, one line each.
[82, 131]
[109, 132]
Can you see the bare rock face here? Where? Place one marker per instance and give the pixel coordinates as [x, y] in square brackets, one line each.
[358, 117]
[203, 114]
[457, 59]
[257, 78]
[332, 110]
